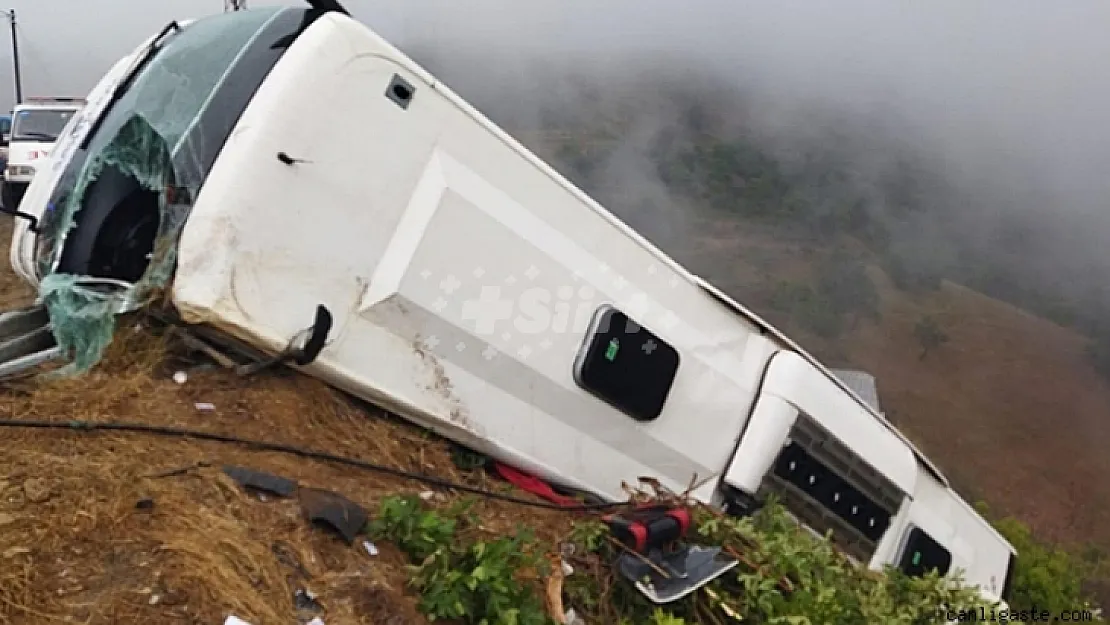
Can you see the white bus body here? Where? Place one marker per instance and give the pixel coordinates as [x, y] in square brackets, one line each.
[462, 275]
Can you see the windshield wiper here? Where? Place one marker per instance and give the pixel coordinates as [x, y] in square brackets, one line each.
[38, 136]
[117, 93]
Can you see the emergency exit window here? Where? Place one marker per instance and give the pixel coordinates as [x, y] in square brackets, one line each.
[626, 365]
[924, 554]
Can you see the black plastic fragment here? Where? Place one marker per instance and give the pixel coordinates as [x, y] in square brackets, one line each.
[346, 517]
[328, 5]
[257, 480]
[316, 340]
[305, 601]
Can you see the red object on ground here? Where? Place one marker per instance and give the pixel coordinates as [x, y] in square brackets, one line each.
[532, 484]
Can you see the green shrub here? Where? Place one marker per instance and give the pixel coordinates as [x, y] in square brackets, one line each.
[929, 335]
[786, 577]
[822, 586]
[1045, 578]
[463, 577]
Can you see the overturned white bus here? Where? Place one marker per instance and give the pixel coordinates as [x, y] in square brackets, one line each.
[457, 280]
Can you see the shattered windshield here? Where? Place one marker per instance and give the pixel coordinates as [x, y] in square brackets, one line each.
[115, 215]
[40, 124]
[165, 99]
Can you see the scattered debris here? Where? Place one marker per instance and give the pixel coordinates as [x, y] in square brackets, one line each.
[316, 621]
[370, 547]
[205, 406]
[567, 550]
[146, 503]
[235, 620]
[430, 495]
[655, 559]
[212, 552]
[555, 597]
[304, 600]
[180, 470]
[345, 516]
[201, 346]
[259, 481]
[532, 485]
[181, 377]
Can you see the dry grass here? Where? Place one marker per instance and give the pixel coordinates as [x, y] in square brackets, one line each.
[75, 548]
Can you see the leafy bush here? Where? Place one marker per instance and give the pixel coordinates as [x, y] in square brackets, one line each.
[827, 587]
[929, 334]
[786, 575]
[461, 577]
[1045, 578]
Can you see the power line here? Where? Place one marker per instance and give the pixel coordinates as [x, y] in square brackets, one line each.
[15, 57]
[89, 427]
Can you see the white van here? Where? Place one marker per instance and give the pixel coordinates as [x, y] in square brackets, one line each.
[453, 277]
[36, 125]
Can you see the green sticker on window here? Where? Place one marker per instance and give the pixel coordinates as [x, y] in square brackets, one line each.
[916, 558]
[611, 351]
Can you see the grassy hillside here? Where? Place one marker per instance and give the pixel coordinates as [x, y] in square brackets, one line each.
[1009, 402]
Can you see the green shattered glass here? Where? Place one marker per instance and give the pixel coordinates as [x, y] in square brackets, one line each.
[143, 136]
[82, 311]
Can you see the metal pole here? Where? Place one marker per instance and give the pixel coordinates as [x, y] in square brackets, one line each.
[15, 60]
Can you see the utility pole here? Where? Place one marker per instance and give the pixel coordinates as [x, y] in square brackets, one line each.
[234, 5]
[15, 58]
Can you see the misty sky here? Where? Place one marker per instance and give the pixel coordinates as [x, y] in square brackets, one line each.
[1004, 88]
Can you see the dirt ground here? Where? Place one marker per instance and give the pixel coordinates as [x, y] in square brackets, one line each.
[90, 534]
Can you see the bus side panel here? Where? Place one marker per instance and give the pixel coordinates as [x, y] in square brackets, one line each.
[460, 273]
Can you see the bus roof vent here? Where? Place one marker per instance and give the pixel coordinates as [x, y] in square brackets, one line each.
[862, 384]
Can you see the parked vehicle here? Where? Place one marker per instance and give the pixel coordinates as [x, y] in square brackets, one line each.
[447, 273]
[36, 125]
[5, 136]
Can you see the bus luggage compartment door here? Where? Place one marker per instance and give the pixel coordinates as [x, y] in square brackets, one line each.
[763, 438]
